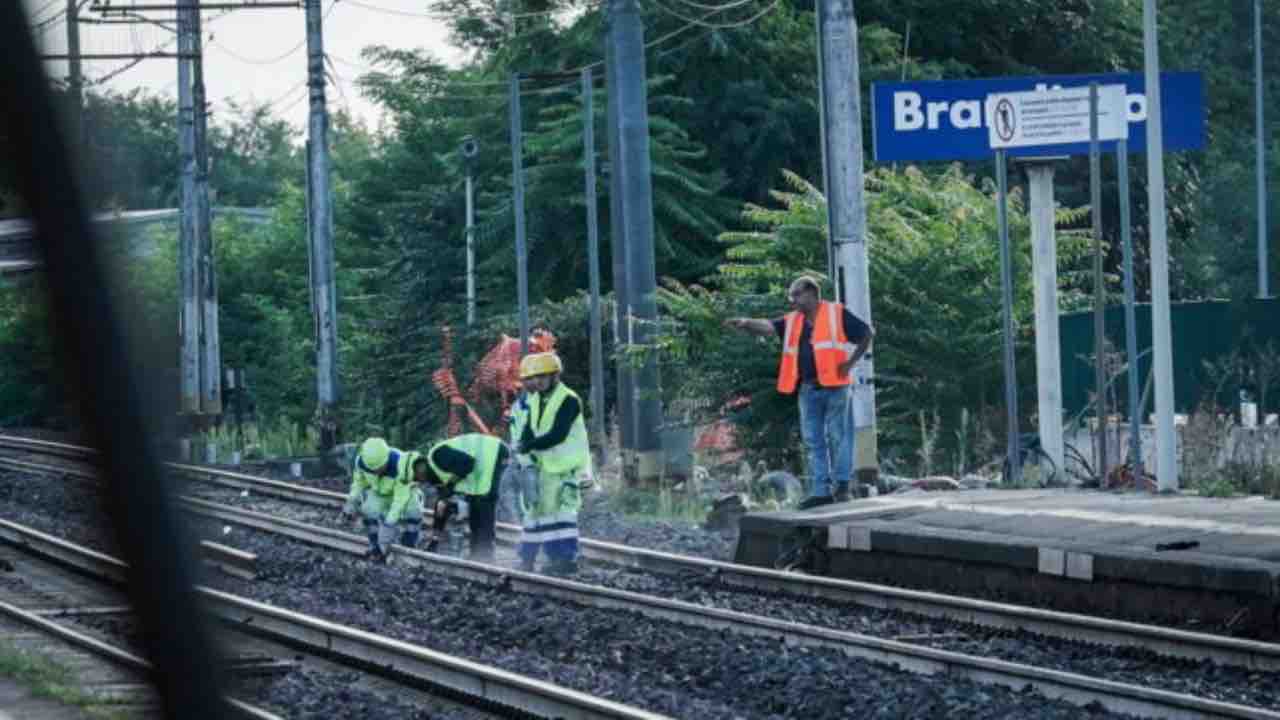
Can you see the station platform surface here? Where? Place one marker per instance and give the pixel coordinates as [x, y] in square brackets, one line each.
[1185, 560]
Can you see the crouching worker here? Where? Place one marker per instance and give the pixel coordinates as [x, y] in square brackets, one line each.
[470, 466]
[388, 499]
[550, 437]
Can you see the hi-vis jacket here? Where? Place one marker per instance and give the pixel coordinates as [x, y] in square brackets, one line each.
[574, 453]
[483, 449]
[830, 348]
[398, 483]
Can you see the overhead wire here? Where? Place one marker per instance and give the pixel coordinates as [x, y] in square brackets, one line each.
[272, 60]
[442, 15]
[111, 75]
[716, 26]
[717, 8]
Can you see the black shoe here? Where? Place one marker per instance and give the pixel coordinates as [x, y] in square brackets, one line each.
[815, 501]
[842, 493]
[376, 555]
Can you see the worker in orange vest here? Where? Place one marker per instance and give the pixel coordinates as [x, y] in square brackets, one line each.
[821, 342]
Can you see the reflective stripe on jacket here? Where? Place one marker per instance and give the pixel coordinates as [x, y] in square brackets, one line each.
[575, 452]
[830, 348]
[398, 483]
[483, 449]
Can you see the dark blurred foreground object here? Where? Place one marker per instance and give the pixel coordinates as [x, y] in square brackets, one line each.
[104, 382]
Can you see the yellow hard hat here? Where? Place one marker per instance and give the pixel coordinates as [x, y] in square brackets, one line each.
[536, 364]
[374, 453]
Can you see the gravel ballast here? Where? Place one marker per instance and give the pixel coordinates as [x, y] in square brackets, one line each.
[673, 669]
[318, 581]
[1122, 664]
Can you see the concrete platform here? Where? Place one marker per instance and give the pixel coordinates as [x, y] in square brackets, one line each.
[1189, 561]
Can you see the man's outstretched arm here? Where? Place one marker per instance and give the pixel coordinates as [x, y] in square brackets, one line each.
[755, 326]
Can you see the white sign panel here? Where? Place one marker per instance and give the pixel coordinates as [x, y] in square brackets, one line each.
[1054, 117]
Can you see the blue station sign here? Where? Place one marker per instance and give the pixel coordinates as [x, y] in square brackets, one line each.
[946, 119]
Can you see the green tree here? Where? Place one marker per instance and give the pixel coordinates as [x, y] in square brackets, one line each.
[935, 303]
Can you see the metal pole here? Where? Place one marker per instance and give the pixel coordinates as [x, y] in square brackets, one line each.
[75, 80]
[1006, 280]
[625, 411]
[320, 209]
[471, 254]
[822, 131]
[210, 346]
[1264, 290]
[1161, 325]
[517, 182]
[1044, 275]
[187, 247]
[1130, 323]
[1099, 289]
[593, 262]
[846, 206]
[637, 213]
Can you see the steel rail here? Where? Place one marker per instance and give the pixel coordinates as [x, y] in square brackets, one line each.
[230, 560]
[113, 654]
[380, 655]
[1222, 649]
[1071, 687]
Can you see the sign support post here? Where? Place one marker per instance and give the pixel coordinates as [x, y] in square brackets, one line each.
[1044, 284]
[1099, 289]
[1130, 323]
[1006, 282]
[1031, 120]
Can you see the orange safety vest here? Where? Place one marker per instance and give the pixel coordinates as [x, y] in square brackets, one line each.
[830, 348]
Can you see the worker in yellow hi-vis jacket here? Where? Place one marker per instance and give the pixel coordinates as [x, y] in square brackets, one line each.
[550, 437]
[384, 491]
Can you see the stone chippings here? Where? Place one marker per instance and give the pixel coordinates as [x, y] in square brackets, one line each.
[1124, 664]
[668, 668]
[672, 669]
[305, 694]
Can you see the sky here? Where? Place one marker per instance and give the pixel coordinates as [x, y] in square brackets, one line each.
[257, 55]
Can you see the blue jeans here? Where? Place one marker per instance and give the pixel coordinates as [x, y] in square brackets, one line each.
[826, 424]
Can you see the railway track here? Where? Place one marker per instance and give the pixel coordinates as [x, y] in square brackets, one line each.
[1195, 646]
[1078, 689]
[486, 687]
[45, 615]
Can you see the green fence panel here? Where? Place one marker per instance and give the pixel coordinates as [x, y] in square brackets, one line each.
[1201, 331]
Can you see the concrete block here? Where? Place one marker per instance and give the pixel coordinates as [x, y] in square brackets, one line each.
[1080, 566]
[859, 538]
[1052, 561]
[838, 537]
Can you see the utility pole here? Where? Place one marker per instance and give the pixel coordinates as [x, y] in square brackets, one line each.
[187, 247]
[1130, 324]
[1260, 160]
[517, 184]
[627, 33]
[1099, 289]
[210, 346]
[470, 149]
[593, 262]
[618, 245]
[846, 206]
[75, 80]
[1161, 325]
[320, 225]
